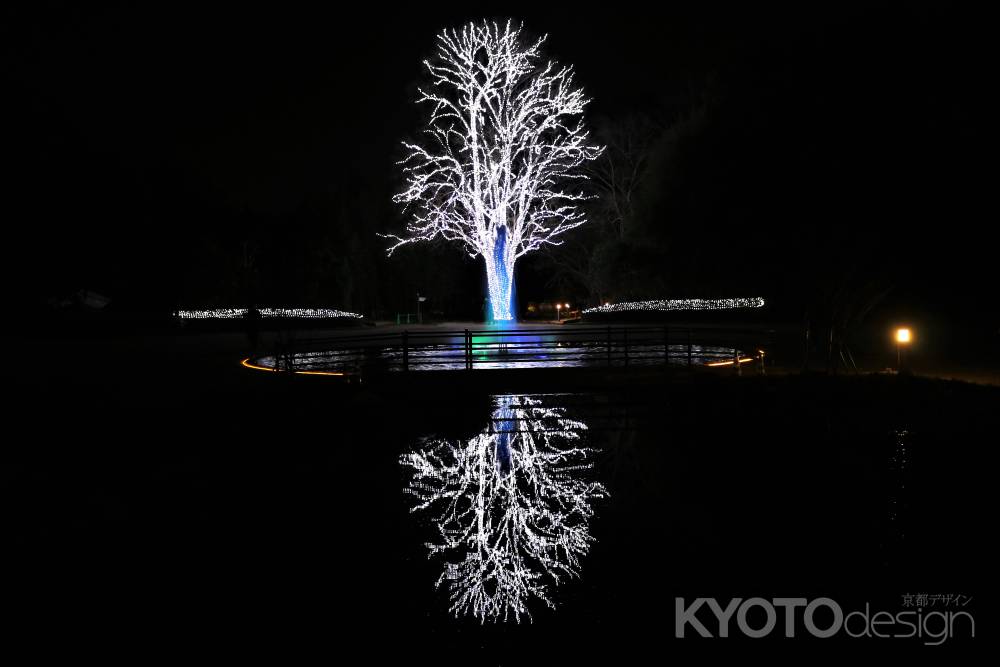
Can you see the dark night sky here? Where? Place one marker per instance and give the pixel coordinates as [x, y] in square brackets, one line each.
[133, 130]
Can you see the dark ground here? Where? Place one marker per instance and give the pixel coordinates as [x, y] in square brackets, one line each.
[157, 494]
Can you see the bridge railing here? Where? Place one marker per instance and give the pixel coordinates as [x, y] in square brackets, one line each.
[479, 348]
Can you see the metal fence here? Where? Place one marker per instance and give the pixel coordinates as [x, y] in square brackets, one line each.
[565, 346]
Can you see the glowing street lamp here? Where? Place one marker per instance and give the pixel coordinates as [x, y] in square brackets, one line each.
[558, 312]
[903, 337]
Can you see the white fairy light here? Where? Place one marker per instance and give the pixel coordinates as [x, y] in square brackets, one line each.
[506, 138]
[213, 314]
[511, 507]
[237, 313]
[307, 313]
[679, 304]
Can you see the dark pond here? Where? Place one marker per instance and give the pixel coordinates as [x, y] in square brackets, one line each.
[459, 525]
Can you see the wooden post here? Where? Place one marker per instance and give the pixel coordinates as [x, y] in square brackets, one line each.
[468, 350]
[666, 345]
[406, 351]
[609, 345]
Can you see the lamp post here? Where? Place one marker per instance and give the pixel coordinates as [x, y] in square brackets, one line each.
[420, 300]
[903, 337]
[558, 312]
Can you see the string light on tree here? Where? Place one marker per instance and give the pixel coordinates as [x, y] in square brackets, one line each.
[499, 171]
[679, 304]
[293, 313]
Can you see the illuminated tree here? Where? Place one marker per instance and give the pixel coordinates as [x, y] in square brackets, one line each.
[512, 507]
[499, 171]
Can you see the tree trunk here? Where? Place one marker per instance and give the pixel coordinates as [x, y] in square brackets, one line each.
[500, 278]
[500, 281]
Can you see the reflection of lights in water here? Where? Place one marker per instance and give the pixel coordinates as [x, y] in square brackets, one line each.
[511, 507]
[897, 465]
[679, 304]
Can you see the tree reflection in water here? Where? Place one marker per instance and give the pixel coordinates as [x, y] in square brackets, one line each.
[511, 506]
